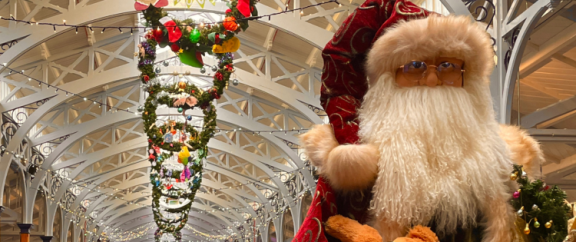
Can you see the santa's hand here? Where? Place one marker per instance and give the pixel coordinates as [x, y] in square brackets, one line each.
[318, 142]
[346, 167]
[351, 167]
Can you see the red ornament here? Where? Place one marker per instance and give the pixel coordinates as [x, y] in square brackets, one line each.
[228, 11]
[149, 35]
[149, 140]
[177, 180]
[175, 47]
[229, 67]
[218, 76]
[146, 78]
[217, 38]
[158, 34]
[193, 91]
[546, 188]
[151, 156]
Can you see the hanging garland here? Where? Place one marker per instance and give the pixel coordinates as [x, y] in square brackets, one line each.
[542, 208]
[190, 41]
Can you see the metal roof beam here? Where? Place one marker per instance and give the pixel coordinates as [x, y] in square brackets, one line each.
[555, 110]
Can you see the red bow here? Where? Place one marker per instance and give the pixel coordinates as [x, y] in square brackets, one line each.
[244, 7]
[145, 4]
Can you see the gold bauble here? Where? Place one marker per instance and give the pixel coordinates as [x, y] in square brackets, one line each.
[182, 85]
[527, 230]
[548, 224]
[514, 176]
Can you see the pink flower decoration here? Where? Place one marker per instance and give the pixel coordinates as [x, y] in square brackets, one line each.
[141, 5]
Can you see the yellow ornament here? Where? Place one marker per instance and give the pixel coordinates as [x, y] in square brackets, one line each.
[183, 155]
[548, 224]
[181, 50]
[514, 176]
[231, 45]
[527, 230]
[181, 86]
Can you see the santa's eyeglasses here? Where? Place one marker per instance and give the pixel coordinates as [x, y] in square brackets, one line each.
[448, 73]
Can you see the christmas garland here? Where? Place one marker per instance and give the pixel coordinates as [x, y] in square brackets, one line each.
[542, 208]
[190, 41]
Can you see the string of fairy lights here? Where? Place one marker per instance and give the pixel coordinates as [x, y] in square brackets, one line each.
[201, 25]
[136, 112]
[98, 188]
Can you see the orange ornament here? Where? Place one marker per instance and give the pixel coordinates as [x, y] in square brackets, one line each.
[230, 24]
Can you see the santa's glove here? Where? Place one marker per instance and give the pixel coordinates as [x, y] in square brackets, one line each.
[348, 230]
[346, 167]
[419, 234]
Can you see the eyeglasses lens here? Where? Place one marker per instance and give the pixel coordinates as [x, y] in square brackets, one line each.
[414, 70]
[447, 72]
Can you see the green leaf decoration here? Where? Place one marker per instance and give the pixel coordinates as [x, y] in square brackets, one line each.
[191, 58]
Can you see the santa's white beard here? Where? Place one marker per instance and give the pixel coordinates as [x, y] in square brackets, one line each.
[440, 154]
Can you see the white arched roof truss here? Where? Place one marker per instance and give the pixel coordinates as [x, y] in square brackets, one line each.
[298, 98]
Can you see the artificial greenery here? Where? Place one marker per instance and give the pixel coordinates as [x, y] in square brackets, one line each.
[196, 40]
[542, 207]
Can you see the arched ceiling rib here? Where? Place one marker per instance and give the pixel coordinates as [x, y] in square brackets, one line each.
[97, 77]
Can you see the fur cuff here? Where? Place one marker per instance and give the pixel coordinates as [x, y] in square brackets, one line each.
[524, 150]
[424, 39]
[351, 167]
[318, 142]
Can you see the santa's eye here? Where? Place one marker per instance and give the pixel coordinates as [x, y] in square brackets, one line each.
[416, 65]
[446, 66]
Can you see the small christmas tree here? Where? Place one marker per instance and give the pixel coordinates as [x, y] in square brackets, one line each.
[542, 207]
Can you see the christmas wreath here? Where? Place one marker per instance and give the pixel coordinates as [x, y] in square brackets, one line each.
[176, 140]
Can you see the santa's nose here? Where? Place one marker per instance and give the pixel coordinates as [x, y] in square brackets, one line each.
[431, 79]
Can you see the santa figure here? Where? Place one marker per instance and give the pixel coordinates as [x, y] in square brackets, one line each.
[427, 150]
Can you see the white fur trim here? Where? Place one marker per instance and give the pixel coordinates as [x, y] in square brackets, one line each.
[421, 39]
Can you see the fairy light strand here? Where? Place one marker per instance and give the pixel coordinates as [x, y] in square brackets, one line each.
[122, 28]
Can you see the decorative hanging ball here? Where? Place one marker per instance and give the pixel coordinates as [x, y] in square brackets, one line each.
[202, 70]
[153, 163]
[520, 211]
[514, 176]
[175, 48]
[548, 224]
[154, 136]
[180, 109]
[189, 117]
[182, 85]
[235, 82]
[527, 230]
[516, 194]
[536, 223]
[214, 68]
[535, 207]
[140, 108]
[524, 175]
[195, 36]
[165, 63]
[158, 70]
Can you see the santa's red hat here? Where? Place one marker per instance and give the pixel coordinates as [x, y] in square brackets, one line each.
[343, 77]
